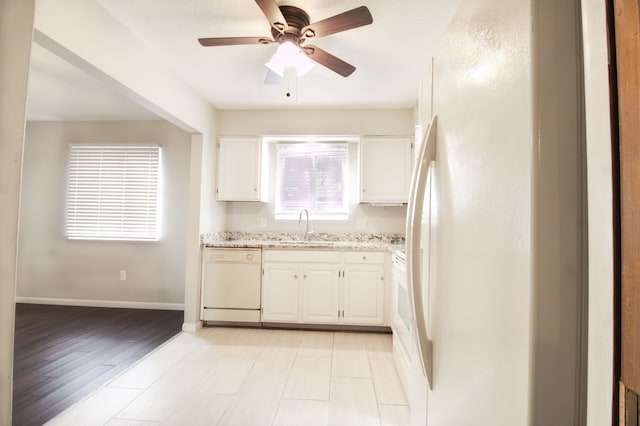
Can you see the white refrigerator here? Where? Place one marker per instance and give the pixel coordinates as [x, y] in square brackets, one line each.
[496, 247]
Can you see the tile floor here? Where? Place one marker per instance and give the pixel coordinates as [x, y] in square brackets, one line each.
[235, 376]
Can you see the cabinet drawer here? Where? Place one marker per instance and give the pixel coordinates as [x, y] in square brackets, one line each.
[306, 256]
[364, 257]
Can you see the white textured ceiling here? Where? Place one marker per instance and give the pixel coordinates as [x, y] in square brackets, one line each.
[390, 55]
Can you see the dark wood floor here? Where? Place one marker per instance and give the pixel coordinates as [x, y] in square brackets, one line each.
[63, 353]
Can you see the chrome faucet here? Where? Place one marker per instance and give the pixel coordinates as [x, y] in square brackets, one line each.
[306, 228]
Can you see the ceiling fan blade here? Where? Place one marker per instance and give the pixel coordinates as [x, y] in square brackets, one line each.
[353, 18]
[233, 41]
[274, 15]
[328, 60]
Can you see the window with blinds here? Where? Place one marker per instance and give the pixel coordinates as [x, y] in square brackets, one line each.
[312, 176]
[112, 192]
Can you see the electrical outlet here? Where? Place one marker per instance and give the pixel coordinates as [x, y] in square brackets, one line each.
[123, 275]
[361, 224]
[261, 222]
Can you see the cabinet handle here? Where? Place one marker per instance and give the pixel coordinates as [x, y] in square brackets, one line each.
[295, 276]
[304, 276]
[364, 257]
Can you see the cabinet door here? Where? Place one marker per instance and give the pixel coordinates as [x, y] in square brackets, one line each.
[385, 169]
[363, 294]
[320, 293]
[239, 169]
[280, 292]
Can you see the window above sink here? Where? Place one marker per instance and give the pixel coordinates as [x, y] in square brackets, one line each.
[313, 176]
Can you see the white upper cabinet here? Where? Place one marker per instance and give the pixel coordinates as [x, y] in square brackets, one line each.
[241, 169]
[385, 169]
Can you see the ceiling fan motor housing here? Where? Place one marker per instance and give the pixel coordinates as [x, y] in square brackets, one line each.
[296, 19]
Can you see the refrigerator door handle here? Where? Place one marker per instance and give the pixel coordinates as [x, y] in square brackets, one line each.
[417, 195]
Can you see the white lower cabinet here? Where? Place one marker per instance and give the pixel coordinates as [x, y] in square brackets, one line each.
[363, 294]
[323, 287]
[320, 293]
[280, 292]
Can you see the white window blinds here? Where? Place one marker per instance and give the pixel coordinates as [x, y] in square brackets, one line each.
[112, 192]
[312, 176]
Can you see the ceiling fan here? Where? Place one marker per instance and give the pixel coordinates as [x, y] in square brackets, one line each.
[291, 24]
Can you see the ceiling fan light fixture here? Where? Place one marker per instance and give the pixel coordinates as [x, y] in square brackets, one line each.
[289, 55]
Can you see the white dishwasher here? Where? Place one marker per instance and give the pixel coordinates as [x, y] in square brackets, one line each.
[231, 280]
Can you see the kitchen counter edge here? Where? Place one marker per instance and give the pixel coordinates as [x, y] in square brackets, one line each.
[311, 245]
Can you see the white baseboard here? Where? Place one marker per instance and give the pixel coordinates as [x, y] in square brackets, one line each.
[191, 327]
[101, 303]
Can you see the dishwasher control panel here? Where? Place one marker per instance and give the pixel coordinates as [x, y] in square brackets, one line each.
[235, 255]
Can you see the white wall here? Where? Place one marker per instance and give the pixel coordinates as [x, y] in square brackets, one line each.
[73, 28]
[600, 197]
[242, 216]
[16, 23]
[559, 217]
[87, 272]
[316, 122]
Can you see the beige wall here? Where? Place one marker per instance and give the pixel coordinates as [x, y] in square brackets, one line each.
[87, 272]
[72, 29]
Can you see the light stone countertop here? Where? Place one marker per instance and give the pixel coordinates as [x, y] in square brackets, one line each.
[296, 241]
